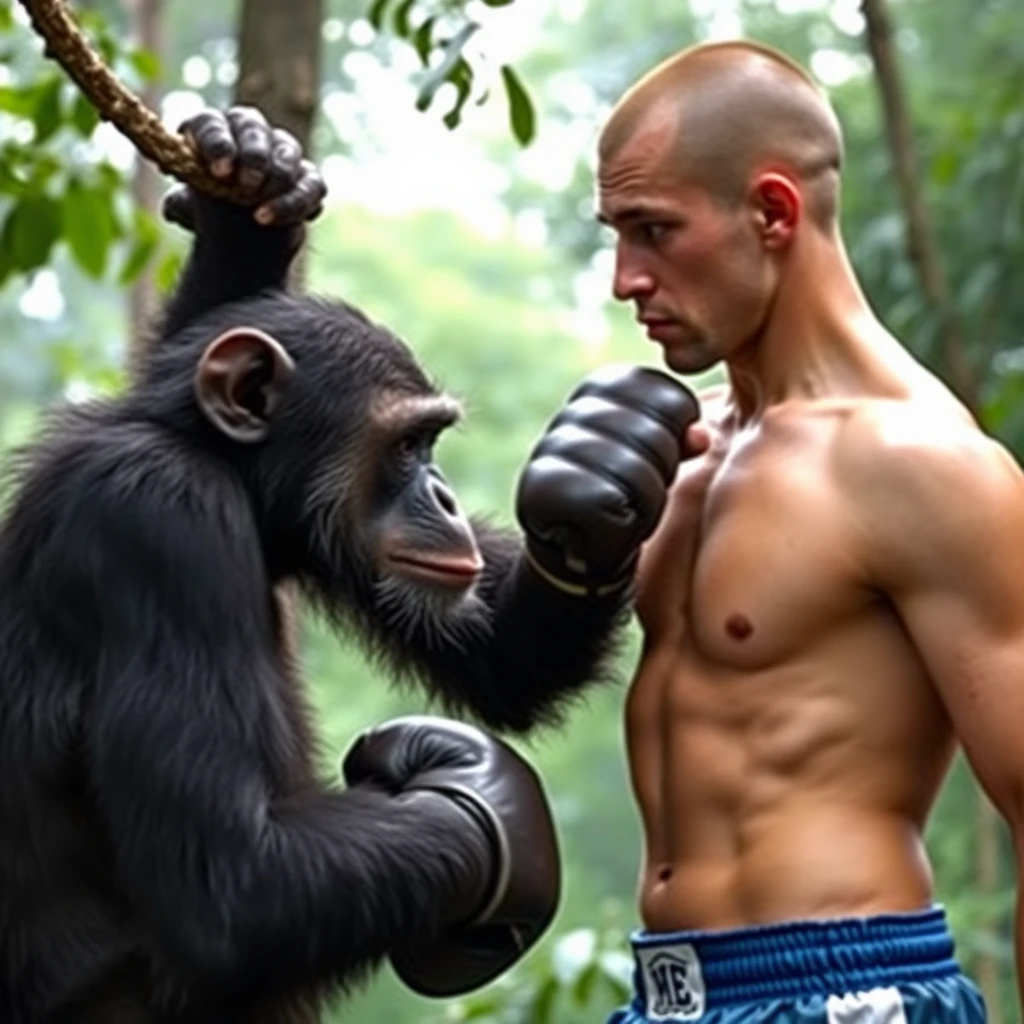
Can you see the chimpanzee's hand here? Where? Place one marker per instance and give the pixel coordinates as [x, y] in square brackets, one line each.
[515, 890]
[267, 162]
[596, 484]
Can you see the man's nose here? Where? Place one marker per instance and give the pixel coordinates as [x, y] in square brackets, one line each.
[631, 279]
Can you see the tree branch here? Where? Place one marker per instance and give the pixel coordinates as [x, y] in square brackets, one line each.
[173, 154]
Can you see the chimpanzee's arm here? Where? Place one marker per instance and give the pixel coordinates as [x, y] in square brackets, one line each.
[232, 258]
[591, 493]
[244, 889]
[235, 255]
[538, 648]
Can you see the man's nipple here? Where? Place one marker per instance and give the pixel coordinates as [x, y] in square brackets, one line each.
[739, 627]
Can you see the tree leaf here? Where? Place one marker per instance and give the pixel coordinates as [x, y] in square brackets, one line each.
[18, 101]
[583, 989]
[400, 20]
[6, 264]
[421, 39]
[46, 117]
[462, 78]
[543, 1002]
[521, 113]
[437, 76]
[375, 15]
[88, 227]
[147, 238]
[147, 64]
[84, 116]
[32, 228]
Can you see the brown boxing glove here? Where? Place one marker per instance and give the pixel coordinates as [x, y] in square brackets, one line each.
[500, 794]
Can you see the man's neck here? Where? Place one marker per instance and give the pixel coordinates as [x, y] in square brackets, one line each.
[821, 339]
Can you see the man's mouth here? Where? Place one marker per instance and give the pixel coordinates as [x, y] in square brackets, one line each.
[657, 326]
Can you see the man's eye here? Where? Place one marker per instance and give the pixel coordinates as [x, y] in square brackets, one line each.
[654, 232]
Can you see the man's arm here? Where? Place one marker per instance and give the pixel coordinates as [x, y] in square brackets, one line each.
[949, 514]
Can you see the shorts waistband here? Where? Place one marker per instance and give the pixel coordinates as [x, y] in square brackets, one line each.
[790, 960]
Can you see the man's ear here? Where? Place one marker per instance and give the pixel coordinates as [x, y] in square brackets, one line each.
[238, 382]
[779, 207]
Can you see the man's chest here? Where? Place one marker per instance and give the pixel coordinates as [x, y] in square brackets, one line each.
[761, 562]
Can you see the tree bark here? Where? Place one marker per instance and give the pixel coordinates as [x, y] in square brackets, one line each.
[921, 247]
[279, 62]
[279, 70]
[148, 21]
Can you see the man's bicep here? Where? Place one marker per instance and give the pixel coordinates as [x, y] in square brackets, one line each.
[960, 593]
[977, 668]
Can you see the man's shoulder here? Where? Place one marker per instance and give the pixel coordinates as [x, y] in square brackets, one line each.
[923, 477]
[917, 437]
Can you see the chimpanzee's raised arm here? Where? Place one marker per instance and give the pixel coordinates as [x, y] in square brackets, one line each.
[240, 251]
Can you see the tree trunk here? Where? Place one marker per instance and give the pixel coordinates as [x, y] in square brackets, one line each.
[279, 62]
[147, 18]
[921, 247]
[279, 46]
[927, 261]
[279, 69]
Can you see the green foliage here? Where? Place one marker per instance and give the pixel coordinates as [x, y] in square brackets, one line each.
[438, 31]
[521, 112]
[57, 189]
[577, 978]
[54, 187]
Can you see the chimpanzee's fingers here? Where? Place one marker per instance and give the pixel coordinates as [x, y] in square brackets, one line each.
[215, 142]
[253, 138]
[285, 166]
[177, 207]
[303, 202]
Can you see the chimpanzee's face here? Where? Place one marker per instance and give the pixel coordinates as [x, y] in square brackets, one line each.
[353, 428]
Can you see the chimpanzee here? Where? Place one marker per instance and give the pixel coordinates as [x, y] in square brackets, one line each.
[168, 853]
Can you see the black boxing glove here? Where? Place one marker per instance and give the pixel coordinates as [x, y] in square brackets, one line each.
[596, 484]
[501, 795]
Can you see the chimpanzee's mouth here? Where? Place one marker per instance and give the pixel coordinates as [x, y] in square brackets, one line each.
[446, 572]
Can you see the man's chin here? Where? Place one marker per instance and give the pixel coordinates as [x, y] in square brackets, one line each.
[687, 360]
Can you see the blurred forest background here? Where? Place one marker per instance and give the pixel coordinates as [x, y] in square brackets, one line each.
[457, 140]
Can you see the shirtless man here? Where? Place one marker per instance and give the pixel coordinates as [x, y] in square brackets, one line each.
[834, 596]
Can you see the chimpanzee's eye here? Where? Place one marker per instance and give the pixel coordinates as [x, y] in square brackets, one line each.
[407, 451]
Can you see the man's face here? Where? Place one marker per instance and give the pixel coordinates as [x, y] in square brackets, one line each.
[695, 270]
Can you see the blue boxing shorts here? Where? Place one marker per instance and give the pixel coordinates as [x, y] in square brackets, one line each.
[889, 969]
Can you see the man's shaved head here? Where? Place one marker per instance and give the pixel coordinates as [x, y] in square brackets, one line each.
[737, 108]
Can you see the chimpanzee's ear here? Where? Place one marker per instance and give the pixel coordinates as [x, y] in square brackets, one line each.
[238, 382]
